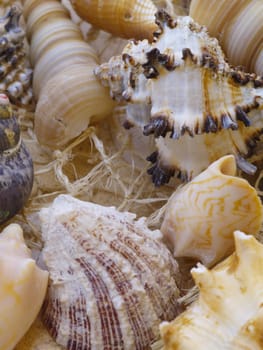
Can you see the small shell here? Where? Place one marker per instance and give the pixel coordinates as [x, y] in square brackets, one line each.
[22, 289]
[228, 312]
[123, 18]
[202, 215]
[111, 279]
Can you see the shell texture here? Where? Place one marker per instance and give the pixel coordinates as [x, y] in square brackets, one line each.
[123, 18]
[112, 280]
[68, 95]
[201, 216]
[238, 26]
[228, 312]
[22, 289]
[15, 73]
[196, 105]
[16, 165]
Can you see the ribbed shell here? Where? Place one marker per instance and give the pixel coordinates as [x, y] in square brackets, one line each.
[123, 18]
[111, 279]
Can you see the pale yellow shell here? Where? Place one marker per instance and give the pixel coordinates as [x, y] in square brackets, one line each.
[201, 216]
[238, 24]
[124, 18]
[228, 313]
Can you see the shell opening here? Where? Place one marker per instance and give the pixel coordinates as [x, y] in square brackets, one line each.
[227, 165]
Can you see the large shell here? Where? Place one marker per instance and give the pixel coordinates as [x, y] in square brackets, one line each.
[201, 216]
[22, 289]
[16, 165]
[238, 26]
[192, 100]
[111, 279]
[68, 95]
[123, 18]
[228, 312]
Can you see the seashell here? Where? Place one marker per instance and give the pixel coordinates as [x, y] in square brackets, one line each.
[238, 26]
[123, 18]
[228, 312]
[199, 108]
[22, 289]
[68, 95]
[16, 165]
[201, 216]
[112, 280]
[15, 73]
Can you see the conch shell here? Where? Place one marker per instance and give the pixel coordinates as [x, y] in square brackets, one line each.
[112, 280]
[239, 27]
[201, 216]
[228, 313]
[22, 289]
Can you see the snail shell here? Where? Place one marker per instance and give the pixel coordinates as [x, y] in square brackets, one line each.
[238, 26]
[111, 279]
[16, 165]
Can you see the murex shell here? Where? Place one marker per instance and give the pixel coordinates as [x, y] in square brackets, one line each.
[201, 216]
[181, 89]
[228, 312]
[112, 281]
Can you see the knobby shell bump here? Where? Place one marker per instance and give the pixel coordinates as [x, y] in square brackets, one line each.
[112, 281]
[180, 89]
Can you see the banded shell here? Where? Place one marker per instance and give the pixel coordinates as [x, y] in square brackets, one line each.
[181, 89]
[228, 312]
[201, 216]
[16, 165]
[123, 18]
[22, 289]
[67, 92]
[112, 281]
[238, 26]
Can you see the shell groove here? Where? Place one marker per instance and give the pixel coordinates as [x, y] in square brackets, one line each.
[111, 279]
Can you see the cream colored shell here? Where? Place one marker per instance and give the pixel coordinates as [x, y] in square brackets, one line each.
[22, 288]
[228, 313]
[201, 216]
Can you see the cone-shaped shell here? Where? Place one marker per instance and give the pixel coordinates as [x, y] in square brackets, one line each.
[228, 313]
[201, 216]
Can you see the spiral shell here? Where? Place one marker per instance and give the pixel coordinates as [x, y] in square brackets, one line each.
[181, 89]
[68, 95]
[238, 26]
[123, 18]
[111, 279]
[16, 165]
[228, 312]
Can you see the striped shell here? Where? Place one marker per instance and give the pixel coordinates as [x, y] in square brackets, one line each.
[201, 216]
[112, 281]
[239, 27]
[228, 312]
[181, 89]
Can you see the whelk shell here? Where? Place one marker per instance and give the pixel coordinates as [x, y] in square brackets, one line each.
[111, 279]
[201, 216]
[196, 105]
[228, 312]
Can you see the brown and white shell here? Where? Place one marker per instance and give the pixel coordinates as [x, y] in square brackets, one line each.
[112, 281]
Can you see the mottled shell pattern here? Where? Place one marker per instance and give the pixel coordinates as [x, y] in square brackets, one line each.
[201, 216]
[181, 89]
[16, 165]
[15, 73]
[112, 280]
[228, 312]
[22, 289]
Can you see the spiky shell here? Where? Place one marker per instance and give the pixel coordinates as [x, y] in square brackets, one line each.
[22, 289]
[123, 18]
[190, 92]
[201, 216]
[111, 279]
[228, 312]
[238, 26]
